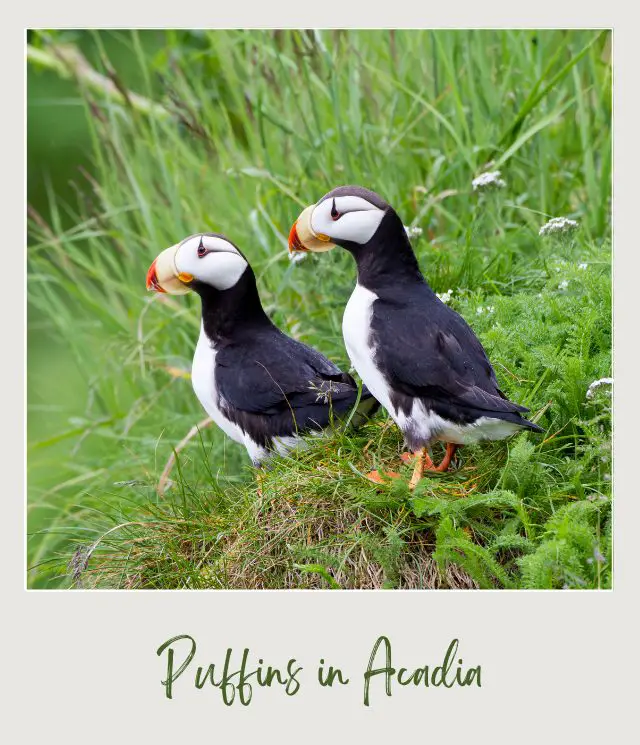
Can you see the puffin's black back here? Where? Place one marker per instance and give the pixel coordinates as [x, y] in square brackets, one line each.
[269, 384]
[274, 386]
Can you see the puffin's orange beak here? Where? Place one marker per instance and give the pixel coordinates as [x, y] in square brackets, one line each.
[163, 275]
[152, 279]
[295, 244]
[302, 236]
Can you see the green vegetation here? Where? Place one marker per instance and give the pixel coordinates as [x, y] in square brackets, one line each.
[236, 132]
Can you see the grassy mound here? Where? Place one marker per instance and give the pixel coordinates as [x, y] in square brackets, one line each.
[533, 512]
[245, 128]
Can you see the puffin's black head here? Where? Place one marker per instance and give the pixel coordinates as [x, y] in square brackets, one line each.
[347, 216]
[197, 262]
[368, 227]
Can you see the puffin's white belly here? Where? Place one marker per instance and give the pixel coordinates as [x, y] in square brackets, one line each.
[420, 423]
[356, 331]
[204, 385]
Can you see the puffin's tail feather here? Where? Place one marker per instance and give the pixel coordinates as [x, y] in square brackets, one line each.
[530, 425]
[518, 419]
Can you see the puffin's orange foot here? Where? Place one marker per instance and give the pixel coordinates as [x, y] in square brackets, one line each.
[446, 461]
[410, 458]
[381, 478]
[422, 462]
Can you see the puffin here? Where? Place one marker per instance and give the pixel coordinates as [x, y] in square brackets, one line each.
[417, 356]
[264, 389]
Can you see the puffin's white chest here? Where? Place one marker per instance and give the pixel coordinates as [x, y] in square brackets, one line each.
[356, 330]
[203, 380]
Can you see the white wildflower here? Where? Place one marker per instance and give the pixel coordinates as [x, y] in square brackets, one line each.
[445, 296]
[558, 226]
[413, 232]
[582, 266]
[597, 384]
[490, 308]
[488, 180]
[480, 311]
[564, 284]
[297, 256]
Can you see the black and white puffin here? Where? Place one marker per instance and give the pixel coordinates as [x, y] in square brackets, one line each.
[418, 357]
[261, 387]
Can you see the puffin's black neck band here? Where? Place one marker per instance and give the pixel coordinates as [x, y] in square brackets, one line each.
[388, 257]
[227, 314]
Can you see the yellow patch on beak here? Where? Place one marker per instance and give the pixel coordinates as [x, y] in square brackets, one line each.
[185, 277]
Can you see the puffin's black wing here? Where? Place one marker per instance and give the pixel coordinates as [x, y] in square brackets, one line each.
[274, 386]
[426, 350]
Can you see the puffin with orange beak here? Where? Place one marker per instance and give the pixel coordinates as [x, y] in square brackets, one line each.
[264, 389]
[418, 357]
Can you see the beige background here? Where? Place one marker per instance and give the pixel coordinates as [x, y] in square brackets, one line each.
[556, 666]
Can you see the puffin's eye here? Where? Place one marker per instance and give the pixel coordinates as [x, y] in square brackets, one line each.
[202, 251]
[335, 215]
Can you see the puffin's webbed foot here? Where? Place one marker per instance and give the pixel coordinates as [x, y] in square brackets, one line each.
[424, 463]
[380, 478]
[448, 456]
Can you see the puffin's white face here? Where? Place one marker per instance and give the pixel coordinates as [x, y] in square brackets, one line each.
[347, 218]
[339, 217]
[209, 259]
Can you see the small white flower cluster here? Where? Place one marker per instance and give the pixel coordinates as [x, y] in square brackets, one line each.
[413, 232]
[488, 309]
[558, 226]
[564, 284]
[594, 497]
[488, 180]
[582, 266]
[295, 257]
[597, 556]
[597, 384]
[444, 296]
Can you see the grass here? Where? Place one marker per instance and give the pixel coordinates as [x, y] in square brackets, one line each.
[258, 124]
